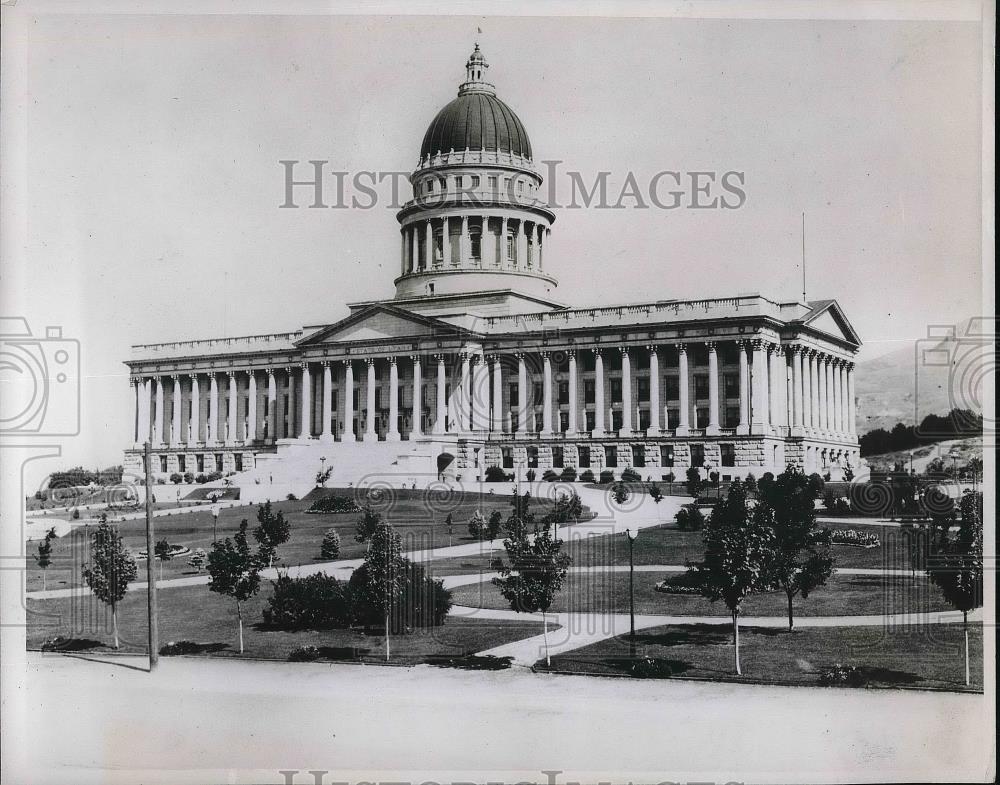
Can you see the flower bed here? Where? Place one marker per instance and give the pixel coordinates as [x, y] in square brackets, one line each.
[855, 538]
[328, 505]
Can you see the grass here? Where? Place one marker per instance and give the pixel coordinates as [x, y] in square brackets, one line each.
[418, 518]
[929, 657]
[209, 620]
[608, 592]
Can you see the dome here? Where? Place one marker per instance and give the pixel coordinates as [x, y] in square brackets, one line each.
[476, 121]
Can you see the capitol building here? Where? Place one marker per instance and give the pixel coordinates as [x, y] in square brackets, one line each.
[475, 363]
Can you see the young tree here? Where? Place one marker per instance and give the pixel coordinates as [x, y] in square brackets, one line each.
[198, 559]
[656, 495]
[494, 524]
[162, 552]
[330, 548]
[369, 522]
[234, 571]
[111, 569]
[44, 556]
[957, 569]
[694, 483]
[449, 522]
[384, 567]
[477, 525]
[802, 560]
[535, 573]
[272, 530]
[620, 493]
[739, 546]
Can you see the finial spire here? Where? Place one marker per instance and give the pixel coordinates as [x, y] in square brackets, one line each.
[475, 73]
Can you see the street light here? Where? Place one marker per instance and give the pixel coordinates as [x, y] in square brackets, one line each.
[215, 522]
[631, 535]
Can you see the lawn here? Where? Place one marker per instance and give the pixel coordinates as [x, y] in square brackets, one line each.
[417, 516]
[196, 614]
[669, 545]
[929, 657]
[608, 592]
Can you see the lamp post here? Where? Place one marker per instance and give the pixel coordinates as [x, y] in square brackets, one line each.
[631, 535]
[215, 522]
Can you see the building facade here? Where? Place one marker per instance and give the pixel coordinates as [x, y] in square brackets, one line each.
[474, 364]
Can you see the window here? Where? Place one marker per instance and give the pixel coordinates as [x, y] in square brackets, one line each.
[476, 244]
[512, 392]
[182, 463]
[584, 460]
[728, 454]
[563, 392]
[590, 421]
[163, 463]
[673, 418]
[643, 419]
[672, 388]
[666, 456]
[589, 391]
[511, 249]
[616, 420]
[199, 462]
[589, 361]
[732, 416]
[563, 422]
[731, 385]
[537, 391]
[492, 183]
[218, 461]
[458, 182]
[698, 455]
[642, 388]
[438, 246]
[532, 457]
[557, 457]
[616, 391]
[701, 417]
[611, 457]
[238, 462]
[700, 386]
[638, 456]
[474, 181]
[507, 457]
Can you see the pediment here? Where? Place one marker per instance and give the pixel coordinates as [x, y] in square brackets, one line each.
[379, 323]
[830, 319]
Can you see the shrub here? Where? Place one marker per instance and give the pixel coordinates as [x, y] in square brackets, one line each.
[495, 474]
[649, 668]
[568, 474]
[829, 500]
[334, 505]
[550, 475]
[477, 525]
[607, 477]
[176, 479]
[304, 654]
[291, 498]
[315, 602]
[630, 475]
[816, 483]
[750, 483]
[842, 507]
[330, 548]
[188, 477]
[76, 514]
[180, 647]
[842, 676]
[694, 482]
[690, 518]
[855, 537]
[530, 475]
[422, 601]
[494, 524]
[681, 583]
[669, 477]
[587, 476]
[201, 479]
[713, 478]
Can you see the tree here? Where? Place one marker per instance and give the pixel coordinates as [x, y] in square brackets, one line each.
[111, 569]
[234, 571]
[369, 522]
[535, 573]
[384, 566]
[449, 522]
[272, 530]
[694, 483]
[739, 546]
[802, 560]
[162, 551]
[656, 495]
[620, 493]
[477, 525]
[957, 569]
[330, 548]
[566, 508]
[494, 524]
[44, 556]
[198, 559]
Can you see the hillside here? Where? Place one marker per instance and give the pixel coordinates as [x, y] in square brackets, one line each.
[961, 449]
[889, 391]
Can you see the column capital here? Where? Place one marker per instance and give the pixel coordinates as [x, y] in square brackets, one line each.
[369, 361]
[392, 359]
[711, 345]
[134, 381]
[624, 350]
[231, 374]
[175, 377]
[597, 350]
[653, 348]
[570, 354]
[681, 347]
[270, 373]
[324, 363]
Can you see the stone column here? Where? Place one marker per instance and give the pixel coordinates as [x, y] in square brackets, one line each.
[272, 405]
[417, 411]
[195, 422]
[252, 430]
[522, 243]
[845, 421]
[538, 245]
[480, 394]
[797, 397]
[326, 432]
[831, 394]
[145, 421]
[813, 392]
[231, 433]
[744, 382]
[572, 428]
[289, 430]
[546, 394]
[464, 244]
[522, 395]
[460, 397]
[441, 413]
[852, 414]
[776, 387]
[626, 429]
[392, 433]
[158, 416]
[821, 392]
[758, 389]
[212, 426]
[371, 435]
[175, 410]
[502, 242]
[835, 395]
[348, 435]
[654, 391]
[305, 427]
[598, 394]
[136, 410]
[498, 418]
[429, 244]
[713, 390]
[684, 422]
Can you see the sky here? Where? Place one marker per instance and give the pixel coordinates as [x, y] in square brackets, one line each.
[152, 186]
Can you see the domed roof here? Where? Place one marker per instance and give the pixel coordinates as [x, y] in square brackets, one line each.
[476, 120]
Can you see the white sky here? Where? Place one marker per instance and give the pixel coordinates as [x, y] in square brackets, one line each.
[153, 184]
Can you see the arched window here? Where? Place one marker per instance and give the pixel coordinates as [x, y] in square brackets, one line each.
[438, 245]
[511, 248]
[476, 243]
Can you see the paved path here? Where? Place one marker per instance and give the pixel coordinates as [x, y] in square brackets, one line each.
[105, 721]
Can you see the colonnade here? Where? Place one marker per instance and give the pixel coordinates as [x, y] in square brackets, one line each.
[426, 243]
